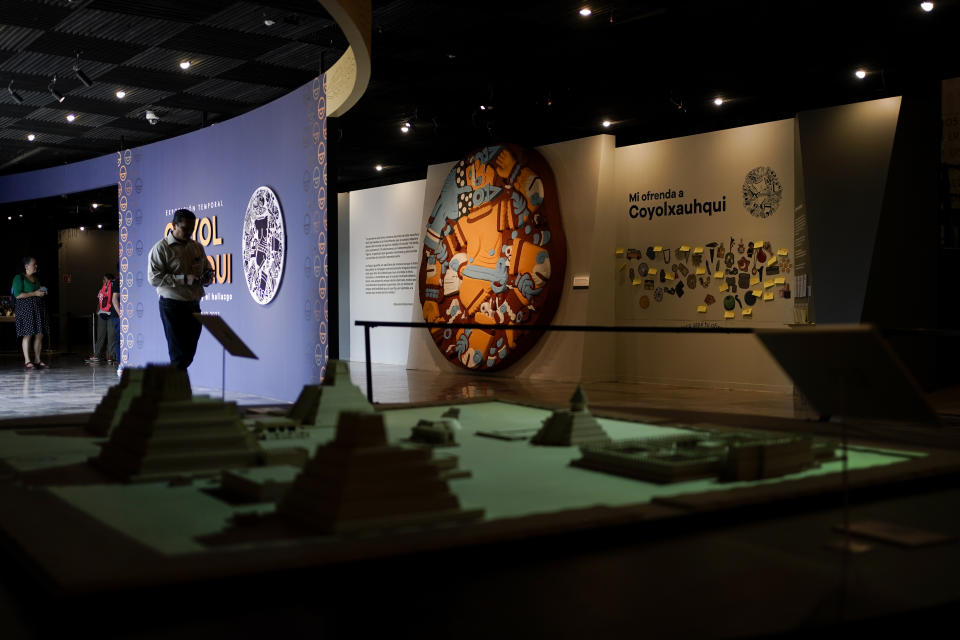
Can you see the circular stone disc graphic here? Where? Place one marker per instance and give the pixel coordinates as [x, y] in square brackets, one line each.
[762, 192]
[494, 252]
[264, 245]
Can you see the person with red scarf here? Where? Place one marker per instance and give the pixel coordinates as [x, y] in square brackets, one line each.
[108, 321]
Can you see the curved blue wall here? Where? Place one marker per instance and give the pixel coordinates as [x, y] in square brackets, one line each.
[213, 172]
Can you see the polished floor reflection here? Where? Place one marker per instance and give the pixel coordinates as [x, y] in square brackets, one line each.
[71, 386]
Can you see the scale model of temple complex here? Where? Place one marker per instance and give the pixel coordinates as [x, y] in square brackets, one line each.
[108, 413]
[575, 426]
[167, 432]
[438, 433]
[728, 456]
[358, 481]
[318, 405]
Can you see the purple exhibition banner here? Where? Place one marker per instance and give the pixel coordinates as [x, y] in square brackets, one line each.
[257, 184]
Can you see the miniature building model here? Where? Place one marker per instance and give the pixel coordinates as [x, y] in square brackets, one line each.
[441, 433]
[574, 426]
[167, 432]
[109, 412]
[730, 456]
[319, 405]
[358, 481]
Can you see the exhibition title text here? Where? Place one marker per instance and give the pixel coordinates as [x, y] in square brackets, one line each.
[205, 232]
[670, 203]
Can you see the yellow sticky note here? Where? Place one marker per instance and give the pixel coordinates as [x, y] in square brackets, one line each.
[701, 271]
[723, 287]
[620, 251]
[728, 315]
[653, 272]
[757, 293]
[758, 244]
[718, 274]
[698, 250]
[747, 313]
[657, 249]
[781, 252]
[754, 280]
[637, 280]
[701, 308]
[771, 260]
[668, 275]
[623, 265]
[780, 280]
[768, 295]
[767, 284]
[685, 247]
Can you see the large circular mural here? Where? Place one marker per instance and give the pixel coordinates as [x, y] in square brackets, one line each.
[493, 253]
[264, 245]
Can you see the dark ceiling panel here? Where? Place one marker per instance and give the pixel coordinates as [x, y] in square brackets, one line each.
[118, 27]
[222, 42]
[174, 10]
[31, 14]
[268, 74]
[160, 80]
[66, 44]
[200, 103]
[50, 127]
[14, 39]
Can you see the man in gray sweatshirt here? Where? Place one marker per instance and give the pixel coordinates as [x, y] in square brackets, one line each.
[179, 269]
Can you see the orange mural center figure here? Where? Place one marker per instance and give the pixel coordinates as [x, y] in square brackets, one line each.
[493, 253]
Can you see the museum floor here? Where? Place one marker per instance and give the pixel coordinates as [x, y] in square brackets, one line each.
[755, 570]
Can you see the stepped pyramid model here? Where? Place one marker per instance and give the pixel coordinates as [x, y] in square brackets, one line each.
[572, 427]
[358, 482]
[319, 405]
[108, 413]
[167, 432]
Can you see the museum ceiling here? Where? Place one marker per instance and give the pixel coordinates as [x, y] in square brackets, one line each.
[460, 74]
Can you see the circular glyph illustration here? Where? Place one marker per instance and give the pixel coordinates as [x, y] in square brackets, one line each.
[762, 192]
[264, 245]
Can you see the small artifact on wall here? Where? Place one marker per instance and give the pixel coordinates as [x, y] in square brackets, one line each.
[494, 252]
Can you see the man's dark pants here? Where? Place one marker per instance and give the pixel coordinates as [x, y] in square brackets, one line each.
[181, 329]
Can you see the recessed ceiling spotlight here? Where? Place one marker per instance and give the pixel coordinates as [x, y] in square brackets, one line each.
[860, 73]
[31, 137]
[379, 167]
[926, 6]
[71, 117]
[99, 226]
[585, 12]
[405, 128]
[606, 123]
[94, 205]
[267, 22]
[185, 64]
[82, 229]
[718, 101]
[483, 107]
[121, 94]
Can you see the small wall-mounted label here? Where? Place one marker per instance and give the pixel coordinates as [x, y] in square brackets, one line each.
[581, 282]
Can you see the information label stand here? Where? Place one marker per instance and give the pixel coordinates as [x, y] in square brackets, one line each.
[229, 340]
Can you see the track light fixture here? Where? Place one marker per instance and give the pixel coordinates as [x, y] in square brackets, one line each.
[59, 97]
[13, 94]
[81, 76]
